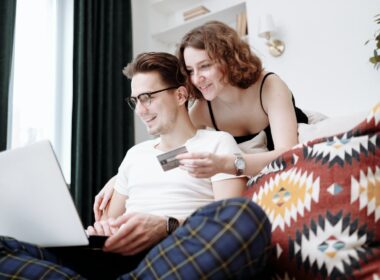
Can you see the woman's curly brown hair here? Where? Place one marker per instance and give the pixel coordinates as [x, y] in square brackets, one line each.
[223, 45]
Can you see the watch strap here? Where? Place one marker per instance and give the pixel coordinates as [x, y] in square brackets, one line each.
[171, 224]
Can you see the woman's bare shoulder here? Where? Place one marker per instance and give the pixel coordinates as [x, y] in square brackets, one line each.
[275, 87]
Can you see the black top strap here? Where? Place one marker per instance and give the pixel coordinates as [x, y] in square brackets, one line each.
[261, 102]
[212, 115]
[261, 90]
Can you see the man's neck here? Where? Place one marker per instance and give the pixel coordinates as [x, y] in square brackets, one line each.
[177, 137]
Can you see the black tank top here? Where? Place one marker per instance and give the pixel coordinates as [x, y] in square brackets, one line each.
[301, 118]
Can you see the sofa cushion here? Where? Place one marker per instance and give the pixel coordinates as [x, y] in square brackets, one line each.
[328, 126]
[323, 200]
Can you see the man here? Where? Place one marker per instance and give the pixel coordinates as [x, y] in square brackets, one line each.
[229, 238]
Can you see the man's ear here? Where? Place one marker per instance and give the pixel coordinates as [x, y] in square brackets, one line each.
[182, 95]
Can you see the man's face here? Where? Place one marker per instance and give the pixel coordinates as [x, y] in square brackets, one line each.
[160, 114]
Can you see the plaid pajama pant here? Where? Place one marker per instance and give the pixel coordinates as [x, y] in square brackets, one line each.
[228, 239]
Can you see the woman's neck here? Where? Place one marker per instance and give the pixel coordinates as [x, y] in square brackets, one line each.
[231, 96]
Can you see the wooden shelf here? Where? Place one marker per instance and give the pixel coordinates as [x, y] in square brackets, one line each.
[171, 6]
[173, 35]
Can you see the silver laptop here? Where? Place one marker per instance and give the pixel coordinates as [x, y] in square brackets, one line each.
[35, 203]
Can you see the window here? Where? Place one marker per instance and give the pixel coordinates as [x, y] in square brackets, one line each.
[40, 103]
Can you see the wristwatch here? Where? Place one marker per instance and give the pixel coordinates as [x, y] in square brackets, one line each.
[171, 225]
[239, 164]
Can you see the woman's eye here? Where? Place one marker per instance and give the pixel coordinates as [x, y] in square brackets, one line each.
[205, 66]
[189, 71]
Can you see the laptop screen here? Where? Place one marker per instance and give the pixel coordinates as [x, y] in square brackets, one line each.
[35, 203]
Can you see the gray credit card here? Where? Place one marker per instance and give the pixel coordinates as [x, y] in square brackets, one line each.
[168, 160]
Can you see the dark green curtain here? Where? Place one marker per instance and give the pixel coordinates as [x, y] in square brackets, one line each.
[102, 127]
[7, 23]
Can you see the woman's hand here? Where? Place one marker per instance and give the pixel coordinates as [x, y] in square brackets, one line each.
[102, 198]
[205, 165]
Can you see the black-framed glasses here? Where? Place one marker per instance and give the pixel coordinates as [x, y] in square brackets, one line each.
[145, 98]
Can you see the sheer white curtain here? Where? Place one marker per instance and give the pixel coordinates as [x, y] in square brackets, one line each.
[40, 103]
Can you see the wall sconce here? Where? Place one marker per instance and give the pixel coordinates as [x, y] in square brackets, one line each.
[266, 28]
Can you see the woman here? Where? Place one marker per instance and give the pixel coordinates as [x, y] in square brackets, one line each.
[235, 94]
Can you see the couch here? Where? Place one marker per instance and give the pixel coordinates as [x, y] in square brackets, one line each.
[323, 200]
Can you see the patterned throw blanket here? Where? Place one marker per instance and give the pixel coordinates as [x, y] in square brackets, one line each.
[323, 200]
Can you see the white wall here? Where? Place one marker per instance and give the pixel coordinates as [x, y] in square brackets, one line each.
[325, 63]
[142, 41]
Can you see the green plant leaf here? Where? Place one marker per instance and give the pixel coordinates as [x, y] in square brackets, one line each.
[375, 59]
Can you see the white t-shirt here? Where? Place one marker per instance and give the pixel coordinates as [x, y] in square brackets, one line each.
[174, 192]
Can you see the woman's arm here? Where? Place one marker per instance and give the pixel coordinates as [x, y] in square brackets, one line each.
[205, 165]
[229, 188]
[116, 206]
[278, 104]
[103, 197]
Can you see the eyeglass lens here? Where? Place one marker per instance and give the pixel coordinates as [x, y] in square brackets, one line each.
[144, 98]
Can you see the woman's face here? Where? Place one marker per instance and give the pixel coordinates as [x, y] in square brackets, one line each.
[205, 74]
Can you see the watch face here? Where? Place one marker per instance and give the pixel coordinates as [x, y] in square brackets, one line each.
[240, 164]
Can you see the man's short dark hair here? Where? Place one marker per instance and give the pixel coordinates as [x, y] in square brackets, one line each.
[165, 64]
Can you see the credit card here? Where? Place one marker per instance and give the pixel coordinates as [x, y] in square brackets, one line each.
[168, 160]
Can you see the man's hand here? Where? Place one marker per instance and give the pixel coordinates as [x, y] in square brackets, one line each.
[101, 228]
[102, 198]
[135, 233]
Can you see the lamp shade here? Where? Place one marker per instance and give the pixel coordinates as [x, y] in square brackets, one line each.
[266, 26]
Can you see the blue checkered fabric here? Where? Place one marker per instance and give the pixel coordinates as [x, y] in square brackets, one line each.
[229, 239]
[22, 261]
